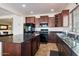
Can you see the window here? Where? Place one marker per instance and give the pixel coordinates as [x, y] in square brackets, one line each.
[75, 20]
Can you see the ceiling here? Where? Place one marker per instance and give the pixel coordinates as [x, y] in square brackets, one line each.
[36, 8]
[4, 12]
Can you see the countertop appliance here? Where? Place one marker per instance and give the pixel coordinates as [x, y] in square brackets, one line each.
[44, 35]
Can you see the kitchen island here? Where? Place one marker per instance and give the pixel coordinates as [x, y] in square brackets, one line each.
[6, 37]
[26, 48]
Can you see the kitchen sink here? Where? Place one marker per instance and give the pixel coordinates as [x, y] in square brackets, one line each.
[68, 40]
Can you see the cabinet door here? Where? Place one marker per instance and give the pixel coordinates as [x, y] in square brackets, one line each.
[51, 22]
[26, 48]
[37, 41]
[44, 19]
[37, 22]
[62, 19]
[66, 50]
[58, 20]
[65, 15]
[30, 20]
[60, 46]
[52, 38]
[34, 46]
[11, 49]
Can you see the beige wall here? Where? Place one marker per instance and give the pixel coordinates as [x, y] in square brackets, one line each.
[7, 23]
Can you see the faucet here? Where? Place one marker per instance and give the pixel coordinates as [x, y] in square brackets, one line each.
[76, 37]
[66, 33]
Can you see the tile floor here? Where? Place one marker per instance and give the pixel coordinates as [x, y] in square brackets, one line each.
[44, 49]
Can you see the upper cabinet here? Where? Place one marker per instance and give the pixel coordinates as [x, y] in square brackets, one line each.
[37, 22]
[58, 20]
[62, 19]
[65, 17]
[30, 20]
[51, 22]
[44, 19]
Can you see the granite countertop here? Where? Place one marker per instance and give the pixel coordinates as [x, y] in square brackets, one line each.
[75, 47]
[6, 35]
[18, 38]
[28, 36]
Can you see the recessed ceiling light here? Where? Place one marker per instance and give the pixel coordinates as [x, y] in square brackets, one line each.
[31, 12]
[52, 9]
[24, 5]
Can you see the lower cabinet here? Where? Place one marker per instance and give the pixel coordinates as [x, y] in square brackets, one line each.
[64, 49]
[29, 48]
[52, 38]
[35, 45]
[26, 48]
[11, 49]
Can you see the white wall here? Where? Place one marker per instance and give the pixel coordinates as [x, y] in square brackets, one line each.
[0, 48]
[18, 28]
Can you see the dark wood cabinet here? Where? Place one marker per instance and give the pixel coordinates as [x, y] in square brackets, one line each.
[30, 47]
[52, 38]
[58, 20]
[65, 12]
[30, 20]
[63, 48]
[62, 18]
[66, 50]
[44, 19]
[59, 45]
[37, 22]
[35, 44]
[65, 17]
[38, 41]
[11, 49]
[51, 22]
[26, 48]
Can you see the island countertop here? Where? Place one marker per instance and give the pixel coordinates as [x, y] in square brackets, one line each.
[6, 35]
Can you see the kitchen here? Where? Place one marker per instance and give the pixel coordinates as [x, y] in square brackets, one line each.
[54, 29]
